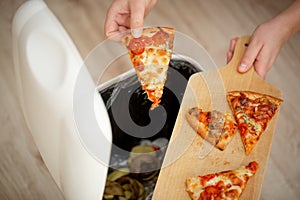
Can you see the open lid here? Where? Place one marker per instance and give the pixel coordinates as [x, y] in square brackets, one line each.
[60, 103]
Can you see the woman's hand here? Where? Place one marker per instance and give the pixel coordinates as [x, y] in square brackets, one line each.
[267, 41]
[127, 14]
[265, 44]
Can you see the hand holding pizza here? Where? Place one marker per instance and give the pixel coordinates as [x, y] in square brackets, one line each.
[267, 40]
[127, 14]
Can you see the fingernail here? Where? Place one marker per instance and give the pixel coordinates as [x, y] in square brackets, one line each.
[242, 67]
[136, 33]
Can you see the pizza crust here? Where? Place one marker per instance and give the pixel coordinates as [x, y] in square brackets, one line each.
[221, 141]
[193, 187]
[199, 127]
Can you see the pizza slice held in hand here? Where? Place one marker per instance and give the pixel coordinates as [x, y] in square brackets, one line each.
[213, 126]
[221, 185]
[150, 55]
[252, 111]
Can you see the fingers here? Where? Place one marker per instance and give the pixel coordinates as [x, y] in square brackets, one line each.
[264, 61]
[231, 48]
[137, 9]
[125, 14]
[254, 55]
[111, 26]
[258, 55]
[151, 4]
[260, 70]
[250, 56]
[117, 19]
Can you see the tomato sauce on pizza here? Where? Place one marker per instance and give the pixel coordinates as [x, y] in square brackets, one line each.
[224, 185]
[150, 55]
[253, 111]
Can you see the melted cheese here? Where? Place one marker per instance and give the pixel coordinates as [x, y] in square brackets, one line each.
[251, 123]
[195, 187]
[151, 60]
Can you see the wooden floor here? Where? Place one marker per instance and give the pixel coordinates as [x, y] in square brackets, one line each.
[212, 23]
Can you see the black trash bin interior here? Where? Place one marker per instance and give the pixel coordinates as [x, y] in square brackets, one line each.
[127, 98]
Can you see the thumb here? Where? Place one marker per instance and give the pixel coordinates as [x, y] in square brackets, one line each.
[137, 10]
[249, 57]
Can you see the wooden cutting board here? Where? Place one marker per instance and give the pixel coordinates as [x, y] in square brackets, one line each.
[189, 155]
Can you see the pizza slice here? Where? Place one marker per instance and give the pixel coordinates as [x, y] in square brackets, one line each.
[150, 55]
[252, 111]
[213, 126]
[227, 185]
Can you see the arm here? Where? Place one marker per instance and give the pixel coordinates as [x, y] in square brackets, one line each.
[127, 14]
[268, 39]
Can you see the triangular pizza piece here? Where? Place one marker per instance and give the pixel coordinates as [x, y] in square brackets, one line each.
[150, 55]
[252, 111]
[214, 126]
[221, 185]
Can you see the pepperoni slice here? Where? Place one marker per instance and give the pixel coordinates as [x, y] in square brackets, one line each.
[136, 46]
[160, 37]
[243, 128]
[138, 64]
[203, 117]
[252, 166]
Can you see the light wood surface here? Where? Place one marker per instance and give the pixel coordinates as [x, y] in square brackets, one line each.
[213, 23]
[188, 155]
